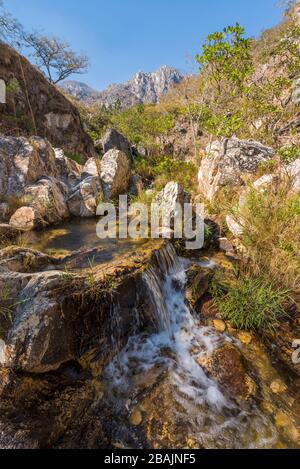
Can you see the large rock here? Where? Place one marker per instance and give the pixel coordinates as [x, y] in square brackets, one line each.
[234, 226]
[46, 205]
[43, 109]
[227, 161]
[69, 172]
[26, 219]
[170, 199]
[293, 171]
[227, 366]
[23, 162]
[56, 318]
[91, 168]
[113, 140]
[115, 174]
[83, 201]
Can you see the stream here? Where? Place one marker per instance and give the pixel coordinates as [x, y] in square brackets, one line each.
[202, 414]
[155, 394]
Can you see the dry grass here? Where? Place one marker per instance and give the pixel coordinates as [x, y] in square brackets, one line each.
[271, 222]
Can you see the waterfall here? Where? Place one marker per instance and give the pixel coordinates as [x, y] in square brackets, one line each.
[176, 347]
[154, 277]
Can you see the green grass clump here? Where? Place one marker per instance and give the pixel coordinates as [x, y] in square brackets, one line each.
[75, 157]
[249, 303]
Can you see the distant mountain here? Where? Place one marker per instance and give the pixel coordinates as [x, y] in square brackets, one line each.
[142, 88]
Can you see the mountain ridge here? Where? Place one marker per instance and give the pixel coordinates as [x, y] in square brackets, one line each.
[142, 88]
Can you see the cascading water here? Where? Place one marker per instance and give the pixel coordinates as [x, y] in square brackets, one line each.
[210, 418]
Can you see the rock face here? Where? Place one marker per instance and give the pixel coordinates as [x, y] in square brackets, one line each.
[40, 186]
[227, 161]
[62, 333]
[115, 174]
[142, 88]
[48, 198]
[26, 219]
[234, 226]
[91, 168]
[41, 107]
[69, 172]
[23, 162]
[114, 140]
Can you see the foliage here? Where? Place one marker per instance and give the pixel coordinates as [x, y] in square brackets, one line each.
[13, 86]
[163, 169]
[97, 119]
[75, 157]
[142, 124]
[10, 28]
[249, 303]
[52, 55]
[227, 55]
[289, 153]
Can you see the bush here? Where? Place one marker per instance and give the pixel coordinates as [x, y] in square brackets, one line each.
[143, 124]
[249, 303]
[169, 169]
[164, 169]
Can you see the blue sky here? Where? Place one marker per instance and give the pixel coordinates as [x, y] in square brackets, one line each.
[122, 37]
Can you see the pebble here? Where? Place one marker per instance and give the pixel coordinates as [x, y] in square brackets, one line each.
[245, 338]
[219, 325]
[282, 420]
[278, 387]
[136, 418]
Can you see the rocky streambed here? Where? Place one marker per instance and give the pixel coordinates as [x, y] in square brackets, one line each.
[101, 347]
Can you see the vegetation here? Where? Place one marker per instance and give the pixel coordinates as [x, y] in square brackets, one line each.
[271, 220]
[248, 302]
[162, 169]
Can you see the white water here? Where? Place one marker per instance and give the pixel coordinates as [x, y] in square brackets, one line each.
[211, 419]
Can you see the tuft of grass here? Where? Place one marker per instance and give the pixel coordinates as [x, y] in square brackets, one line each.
[249, 303]
[289, 153]
[7, 307]
[75, 157]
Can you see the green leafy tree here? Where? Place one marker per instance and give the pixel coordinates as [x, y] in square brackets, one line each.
[227, 56]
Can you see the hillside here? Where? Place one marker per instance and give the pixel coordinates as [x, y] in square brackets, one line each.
[35, 107]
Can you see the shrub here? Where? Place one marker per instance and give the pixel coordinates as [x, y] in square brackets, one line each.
[164, 169]
[143, 124]
[169, 169]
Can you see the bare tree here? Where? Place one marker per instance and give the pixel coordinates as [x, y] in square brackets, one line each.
[55, 57]
[11, 30]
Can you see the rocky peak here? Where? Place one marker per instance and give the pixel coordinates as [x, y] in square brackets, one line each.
[142, 88]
